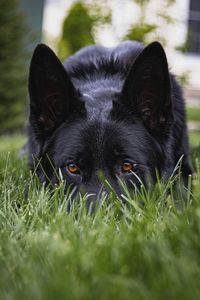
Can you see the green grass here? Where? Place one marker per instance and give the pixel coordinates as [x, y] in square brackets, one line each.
[193, 114]
[149, 251]
[194, 138]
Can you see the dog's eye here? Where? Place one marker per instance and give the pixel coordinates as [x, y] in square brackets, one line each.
[127, 167]
[72, 168]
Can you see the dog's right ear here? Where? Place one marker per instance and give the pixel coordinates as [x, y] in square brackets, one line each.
[53, 97]
[146, 92]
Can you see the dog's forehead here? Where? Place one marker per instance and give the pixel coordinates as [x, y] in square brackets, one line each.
[99, 140]
[99, 103]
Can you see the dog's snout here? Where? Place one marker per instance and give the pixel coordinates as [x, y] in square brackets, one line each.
[94, 199]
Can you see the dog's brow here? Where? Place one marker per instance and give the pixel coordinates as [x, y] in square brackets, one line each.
[87, 95]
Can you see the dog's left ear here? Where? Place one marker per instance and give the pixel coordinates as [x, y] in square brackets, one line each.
[147, 89]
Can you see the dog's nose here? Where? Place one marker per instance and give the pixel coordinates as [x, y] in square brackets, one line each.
[91, 202]
[95, 199]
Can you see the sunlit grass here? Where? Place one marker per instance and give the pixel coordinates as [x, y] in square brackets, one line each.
[194, 138]
[11, 143]
[148, 249]
[193, 113]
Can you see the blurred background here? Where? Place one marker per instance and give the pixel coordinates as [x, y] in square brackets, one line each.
[68, 25]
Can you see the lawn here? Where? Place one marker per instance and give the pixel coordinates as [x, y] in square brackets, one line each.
[193, 113]
[149, 251]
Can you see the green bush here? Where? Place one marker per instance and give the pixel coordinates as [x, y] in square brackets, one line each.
[12, 66]
[142, 30]
[77, 31]
[81, 24]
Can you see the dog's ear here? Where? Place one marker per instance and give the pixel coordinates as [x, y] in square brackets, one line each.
[52, 95]
[147, 90]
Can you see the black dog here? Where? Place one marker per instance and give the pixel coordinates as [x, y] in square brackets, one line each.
[115, 110]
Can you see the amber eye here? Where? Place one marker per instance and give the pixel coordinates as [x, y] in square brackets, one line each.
[127, 167]
[72, 168]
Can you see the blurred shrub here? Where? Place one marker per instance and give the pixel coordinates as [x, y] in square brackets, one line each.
[143, 30]
[12, 66]
[80, 25]
[77, 30]
[139, 32]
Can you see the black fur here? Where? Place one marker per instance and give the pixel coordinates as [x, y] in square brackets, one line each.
[103, 107]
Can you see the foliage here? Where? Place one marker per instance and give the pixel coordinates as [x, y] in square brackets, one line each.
[142, 29]
[79, 26]
[148, 251]
[12, 62]
[186, 46]
[77, 30]
[139, 32]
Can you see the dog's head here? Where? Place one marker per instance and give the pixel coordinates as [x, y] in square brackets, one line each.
[117, 133]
